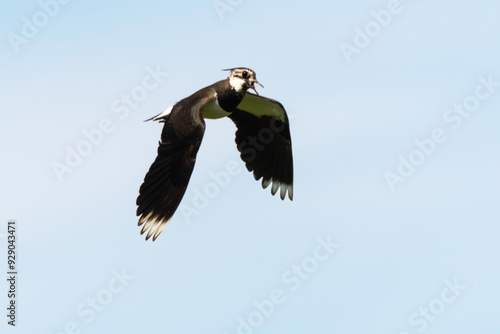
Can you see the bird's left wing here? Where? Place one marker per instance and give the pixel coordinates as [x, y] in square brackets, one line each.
[263, 139]
[168, 177]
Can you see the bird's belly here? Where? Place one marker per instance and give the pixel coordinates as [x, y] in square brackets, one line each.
[213, 110]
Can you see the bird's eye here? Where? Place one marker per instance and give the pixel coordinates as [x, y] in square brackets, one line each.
[245, 74]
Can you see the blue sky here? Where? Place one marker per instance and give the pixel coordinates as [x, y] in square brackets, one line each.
[353, 253]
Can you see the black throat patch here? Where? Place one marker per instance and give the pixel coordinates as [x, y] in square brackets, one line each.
[229, 98]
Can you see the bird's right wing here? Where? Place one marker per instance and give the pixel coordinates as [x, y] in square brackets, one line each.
[168, 177]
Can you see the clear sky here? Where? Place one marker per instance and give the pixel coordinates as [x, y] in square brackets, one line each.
[394, 227]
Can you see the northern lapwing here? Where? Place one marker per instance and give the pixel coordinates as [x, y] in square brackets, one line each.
[262, 138]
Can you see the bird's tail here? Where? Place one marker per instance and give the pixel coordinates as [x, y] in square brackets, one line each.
[161, 116]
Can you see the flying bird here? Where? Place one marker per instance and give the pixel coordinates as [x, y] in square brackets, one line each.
[262, 138]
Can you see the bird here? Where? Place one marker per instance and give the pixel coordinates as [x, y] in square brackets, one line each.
[262, 138]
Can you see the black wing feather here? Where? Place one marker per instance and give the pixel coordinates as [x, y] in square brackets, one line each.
[264, 141]
[168, 177]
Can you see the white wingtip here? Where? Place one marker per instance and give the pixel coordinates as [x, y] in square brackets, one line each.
[282, 187]
[266, 183]
[154, 225]
[290, 192]
[275, 187]
[283, 191]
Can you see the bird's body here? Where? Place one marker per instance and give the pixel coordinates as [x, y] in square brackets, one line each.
[263, 138]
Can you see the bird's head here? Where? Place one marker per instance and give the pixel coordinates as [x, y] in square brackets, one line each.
[242, 78]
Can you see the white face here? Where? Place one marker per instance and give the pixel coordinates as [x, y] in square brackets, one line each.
[242, 79]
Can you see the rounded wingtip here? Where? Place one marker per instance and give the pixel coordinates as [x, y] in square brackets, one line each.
[153, 226]
[282, 187]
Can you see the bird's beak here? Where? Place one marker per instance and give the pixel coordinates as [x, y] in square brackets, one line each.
[253, 86]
